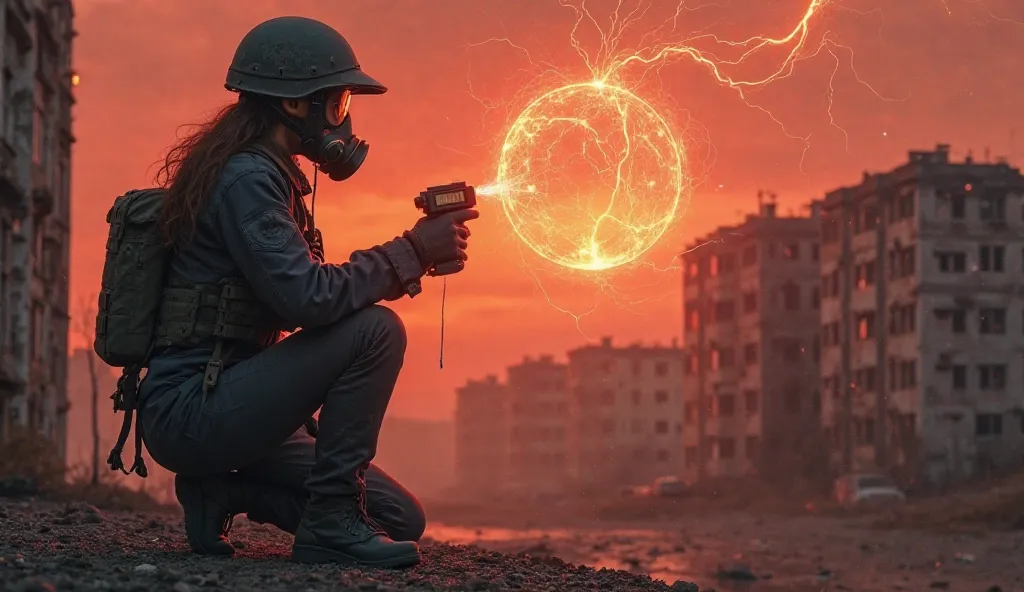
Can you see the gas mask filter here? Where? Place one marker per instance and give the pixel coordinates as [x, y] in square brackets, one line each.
[327, 138]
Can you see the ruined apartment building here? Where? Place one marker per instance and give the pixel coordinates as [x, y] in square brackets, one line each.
[537, 418]
[922, 324]
[751, 321]
[626, 409]
[35, 161]
[481, 437]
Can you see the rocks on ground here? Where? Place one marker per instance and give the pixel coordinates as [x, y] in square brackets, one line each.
[50, 546]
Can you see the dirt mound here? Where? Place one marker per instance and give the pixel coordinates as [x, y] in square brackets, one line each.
[59, 546]
[993, 505]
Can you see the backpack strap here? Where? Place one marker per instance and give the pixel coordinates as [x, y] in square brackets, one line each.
[125, 399]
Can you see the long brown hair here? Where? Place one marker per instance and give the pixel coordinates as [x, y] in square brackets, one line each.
[193, 166]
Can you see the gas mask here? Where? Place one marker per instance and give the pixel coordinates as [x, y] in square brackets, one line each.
[326, 133]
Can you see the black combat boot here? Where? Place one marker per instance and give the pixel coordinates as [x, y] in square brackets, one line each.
[210, 503]
[338, 530]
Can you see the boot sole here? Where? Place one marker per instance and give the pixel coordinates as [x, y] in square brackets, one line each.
[311, 554]
[193, 496]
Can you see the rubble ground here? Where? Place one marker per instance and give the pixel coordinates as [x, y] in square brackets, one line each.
[51, 545]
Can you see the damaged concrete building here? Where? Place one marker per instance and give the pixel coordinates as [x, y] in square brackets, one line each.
[537, 425]
[923, 318]
[625, 414]
[750, 380]
[481, 437]
[35, 164]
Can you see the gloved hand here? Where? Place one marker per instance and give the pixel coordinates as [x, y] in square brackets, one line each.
[441, 239]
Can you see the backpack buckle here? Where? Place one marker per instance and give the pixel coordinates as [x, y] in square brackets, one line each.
[213, 368]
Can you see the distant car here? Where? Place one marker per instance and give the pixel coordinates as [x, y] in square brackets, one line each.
[867, 489]
[668, 486]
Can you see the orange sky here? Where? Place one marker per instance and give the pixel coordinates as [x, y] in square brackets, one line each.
[950, 69]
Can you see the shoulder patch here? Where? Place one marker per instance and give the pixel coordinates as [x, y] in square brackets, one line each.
[270, 231]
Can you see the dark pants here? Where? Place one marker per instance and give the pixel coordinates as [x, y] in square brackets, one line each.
[252, 421]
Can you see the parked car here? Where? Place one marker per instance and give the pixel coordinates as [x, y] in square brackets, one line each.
[668, 486]
[867, 489]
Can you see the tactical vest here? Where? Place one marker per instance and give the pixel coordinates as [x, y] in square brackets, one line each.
[142, 308]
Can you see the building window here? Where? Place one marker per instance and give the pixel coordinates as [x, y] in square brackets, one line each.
[692, 319]
[39, 139]
[902, 319]
[749, 255]
[636, 397]
[724, 311]
[726, 263]
[749, 302]
[661, 427]
[908, 374]
[691, 456]
[902, 262]
[607, 397]
[726, 448]
[750, 354]
[958, 206]
[663, 456]
[690, 412]
[864, 275]
[791, 251]
[992, 321]
[692, 363]
[661, 369]
[771, 250]
[951, 262]
[750, 402]
[988, 424]
[992, 208]
[661, 397]
[815, 298]
[864, 379]
[865, 326]
[815, 251]
[959, 377]
[991, 258]
[957, 318]
[905, 206]
[608, 426]
[713, 266]
[726, 406]
[752, 446]
[992, 377]
[791, 296]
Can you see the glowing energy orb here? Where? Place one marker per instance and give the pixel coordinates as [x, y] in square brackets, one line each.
[591, 176]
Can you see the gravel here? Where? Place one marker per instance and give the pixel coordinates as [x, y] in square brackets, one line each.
[48, 546]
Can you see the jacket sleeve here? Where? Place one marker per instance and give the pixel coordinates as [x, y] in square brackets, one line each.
[265, 242]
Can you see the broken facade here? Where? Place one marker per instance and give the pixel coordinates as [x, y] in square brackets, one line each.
[538, 425]
[923, 318]
[751, 319]
[481, 437]
[625, 414]
[35, 165]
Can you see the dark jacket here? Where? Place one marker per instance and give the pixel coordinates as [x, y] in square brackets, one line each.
[247, 230]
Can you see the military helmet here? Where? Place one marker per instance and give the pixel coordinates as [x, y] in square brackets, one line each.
[292, 57]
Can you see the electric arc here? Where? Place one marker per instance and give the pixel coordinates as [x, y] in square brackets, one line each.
[590, 175]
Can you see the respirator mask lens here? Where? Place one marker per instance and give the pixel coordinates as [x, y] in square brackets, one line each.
[336, 104]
